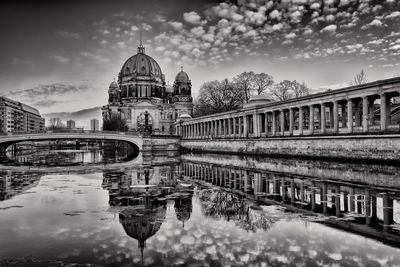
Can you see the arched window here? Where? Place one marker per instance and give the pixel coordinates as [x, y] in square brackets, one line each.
[183, 91]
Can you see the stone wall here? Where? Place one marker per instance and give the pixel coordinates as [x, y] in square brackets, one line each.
[161, 143]
[360, 147]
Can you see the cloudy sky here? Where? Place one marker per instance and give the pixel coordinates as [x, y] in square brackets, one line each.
[62, 55]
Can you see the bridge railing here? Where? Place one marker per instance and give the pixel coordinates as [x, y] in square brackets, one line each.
[65, 131]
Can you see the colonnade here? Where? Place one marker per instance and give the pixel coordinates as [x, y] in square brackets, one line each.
[335, 112]
[318, 196]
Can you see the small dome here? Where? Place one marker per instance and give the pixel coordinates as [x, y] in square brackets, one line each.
[182, 77]
[257, 100]
[113, 85]
[185, 116]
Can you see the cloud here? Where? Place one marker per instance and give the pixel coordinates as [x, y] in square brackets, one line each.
[394, 14]
[176, 25]
[329, 28]
[48, 94]
[69, 35]
[146, 27]
[192, 17]
[59, 58]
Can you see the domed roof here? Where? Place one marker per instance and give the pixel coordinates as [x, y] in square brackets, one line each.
[257, 100]
[182, 76]
[113, 85]
[141, 65]
[185, 116]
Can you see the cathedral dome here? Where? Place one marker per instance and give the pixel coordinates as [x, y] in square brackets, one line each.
[182, 77]
[141, 65]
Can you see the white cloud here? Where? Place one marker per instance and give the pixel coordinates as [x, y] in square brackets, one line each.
[69, 35]
[290, 35]
[275, 14]
[176, 25]
[192, 17]
[197, 31]
[329, 28]
[394, 14]
[60, 59]
[146, 27]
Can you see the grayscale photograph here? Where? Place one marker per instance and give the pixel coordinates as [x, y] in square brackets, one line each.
[197, 133]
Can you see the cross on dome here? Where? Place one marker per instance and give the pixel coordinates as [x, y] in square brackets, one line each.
[140, 47]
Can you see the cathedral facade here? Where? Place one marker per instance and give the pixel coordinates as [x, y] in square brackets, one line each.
[142, 98]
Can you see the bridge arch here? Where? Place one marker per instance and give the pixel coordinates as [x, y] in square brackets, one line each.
[134, 140]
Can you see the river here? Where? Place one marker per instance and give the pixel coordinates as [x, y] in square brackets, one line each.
[196, 210]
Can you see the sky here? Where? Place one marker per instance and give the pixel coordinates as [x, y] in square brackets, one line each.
[61, 56]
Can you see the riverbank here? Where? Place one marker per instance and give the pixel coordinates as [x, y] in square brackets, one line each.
[361, 148]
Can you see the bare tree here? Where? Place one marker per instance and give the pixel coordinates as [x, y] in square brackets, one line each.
[262, 82]
[300, 89]
[283, 90]
[56, 123]
[289, 89]
[245, 82]
[218, 96]
[359, 78]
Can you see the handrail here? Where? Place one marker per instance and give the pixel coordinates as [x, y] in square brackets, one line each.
[61, 131]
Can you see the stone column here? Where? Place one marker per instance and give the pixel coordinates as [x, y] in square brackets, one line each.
[234, 127]
[335, 117]
[301, 120]
[273, 123]
[383, 112]
[229, 128]
[266, 123]
[282, 122]
[291, 121]
[311, 124]
[365, 105]
[323, 122]
[245, 126]
[349, 115]
[256, 125]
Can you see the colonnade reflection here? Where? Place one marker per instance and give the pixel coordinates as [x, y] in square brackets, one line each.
[365, 209]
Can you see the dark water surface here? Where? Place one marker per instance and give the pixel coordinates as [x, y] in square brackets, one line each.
[201, 210]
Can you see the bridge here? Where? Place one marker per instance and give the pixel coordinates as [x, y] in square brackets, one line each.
[350, 119]
[12, 138]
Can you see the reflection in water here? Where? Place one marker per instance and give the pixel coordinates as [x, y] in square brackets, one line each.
[43, 154]
[143, 220]
[205, 210]
[363, 209]
[15, 183]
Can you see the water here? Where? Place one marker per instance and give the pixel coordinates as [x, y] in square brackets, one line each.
[200, 210]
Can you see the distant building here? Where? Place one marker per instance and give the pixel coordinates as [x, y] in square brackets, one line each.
[71, 124]
[18, 117]
[94, 125]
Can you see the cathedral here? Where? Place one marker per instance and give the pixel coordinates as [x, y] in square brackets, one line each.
[144, 100]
